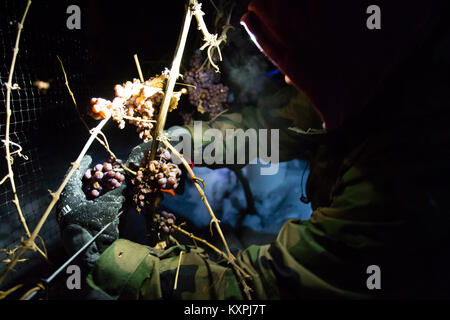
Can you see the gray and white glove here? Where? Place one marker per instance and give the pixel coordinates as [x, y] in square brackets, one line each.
[81, 219]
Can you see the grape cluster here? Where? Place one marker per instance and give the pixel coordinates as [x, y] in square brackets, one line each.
[208, 95]
[166, 222]
[155, 177]
[102, 178]
[136, 101]
[141, 101]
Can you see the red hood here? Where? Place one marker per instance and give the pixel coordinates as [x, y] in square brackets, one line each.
[327, 51]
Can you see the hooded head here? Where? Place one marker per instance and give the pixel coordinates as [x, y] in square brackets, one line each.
[327, 49]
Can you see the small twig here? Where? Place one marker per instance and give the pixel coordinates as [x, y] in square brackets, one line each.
[18, 151]
[214, 220]
[185, 84]
[239, 271]
[137, 119]
[219, 114]
[104, 140]
[38, 287]
[4, 294]
[103, 143]
[221, 253]
[178, 271]
[9, 260]
[212, 41]
[4, 179]
[173, 76]
[138, 66]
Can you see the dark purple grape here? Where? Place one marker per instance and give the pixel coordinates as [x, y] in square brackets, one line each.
[88, 174]
[95, 193]
[165, 214]
[111, 174]
[107, 166]
[98, 175]
[120, 177]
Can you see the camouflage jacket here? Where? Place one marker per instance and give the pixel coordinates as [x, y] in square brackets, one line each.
[374, 205]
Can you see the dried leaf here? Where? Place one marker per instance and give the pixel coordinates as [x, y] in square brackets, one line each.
[161, 245]
[200, 108]
[174, 101]
[157, 82]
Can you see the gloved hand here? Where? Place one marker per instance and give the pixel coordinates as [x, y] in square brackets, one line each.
[81, 219]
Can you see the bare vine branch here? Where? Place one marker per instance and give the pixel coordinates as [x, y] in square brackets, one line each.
[103, 143]
[7, 141]
[4, 294]
[212, 41]
[138, 66]
[173, 76]
[38, 287]
[30, 242]
[240, 272]
[214, 221]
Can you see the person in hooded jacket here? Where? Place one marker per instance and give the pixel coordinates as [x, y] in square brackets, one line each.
[379, 164]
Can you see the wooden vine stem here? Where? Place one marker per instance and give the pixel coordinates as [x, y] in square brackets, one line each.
[103, 143]
[29, 243]
[229, 256]
[7, 141]
[173, 75]
[159, 136]
[217, 250]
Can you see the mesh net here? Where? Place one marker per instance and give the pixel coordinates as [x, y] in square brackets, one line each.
[40, 118]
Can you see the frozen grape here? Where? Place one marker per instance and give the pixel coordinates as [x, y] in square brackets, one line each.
[107, 166]
[102, 178]
[119, 176]
[95, 193]
[172, 181]
[153, 176]
[166, 221]
[111, 174]
[88, 174]
[99, 175]
[137, 102]
[162, 182]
